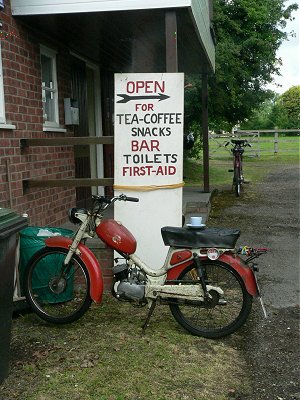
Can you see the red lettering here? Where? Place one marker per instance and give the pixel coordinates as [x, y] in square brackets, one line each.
[166, 170]
[154, 145]
[148, 170]
[139, 85]
[172, 170]
[134, 145]
[145, 87]
[148, 87]
[130, 87]
[144, 107]
[144, 145]
[136, 171]
[159, 88]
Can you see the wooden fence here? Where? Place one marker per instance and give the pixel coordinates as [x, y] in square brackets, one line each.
[257, 139]
[66, 141]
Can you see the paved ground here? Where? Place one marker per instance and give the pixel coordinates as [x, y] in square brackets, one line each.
[268, 215]
[195, 202]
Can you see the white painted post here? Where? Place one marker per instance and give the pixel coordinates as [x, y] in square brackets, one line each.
[149, 157]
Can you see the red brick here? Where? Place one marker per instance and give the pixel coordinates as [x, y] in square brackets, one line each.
[22, 88]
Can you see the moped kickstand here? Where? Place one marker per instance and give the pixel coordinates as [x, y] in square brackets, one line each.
[150, 312]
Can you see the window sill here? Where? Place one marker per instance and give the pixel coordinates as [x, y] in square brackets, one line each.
[54, 129]
[7, 126]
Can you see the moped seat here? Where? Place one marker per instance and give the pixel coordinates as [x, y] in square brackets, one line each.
[200, 237]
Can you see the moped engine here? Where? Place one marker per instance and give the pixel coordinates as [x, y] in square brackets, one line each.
[129, 283]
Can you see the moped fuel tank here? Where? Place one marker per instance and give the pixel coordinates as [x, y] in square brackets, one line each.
[116, 236]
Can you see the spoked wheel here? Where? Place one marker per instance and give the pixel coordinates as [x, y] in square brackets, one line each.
[222, 314]
[237, 181]
[58, 294]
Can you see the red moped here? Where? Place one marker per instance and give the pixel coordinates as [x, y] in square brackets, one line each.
[207, 285]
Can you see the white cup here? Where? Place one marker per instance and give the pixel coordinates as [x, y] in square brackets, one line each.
[196, 221]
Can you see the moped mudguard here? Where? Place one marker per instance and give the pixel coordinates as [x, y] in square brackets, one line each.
[89, 260]
[243, 270]
[234, 261]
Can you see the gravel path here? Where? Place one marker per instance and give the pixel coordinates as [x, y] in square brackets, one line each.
[268, 216]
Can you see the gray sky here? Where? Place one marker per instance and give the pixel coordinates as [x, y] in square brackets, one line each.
[289, 52]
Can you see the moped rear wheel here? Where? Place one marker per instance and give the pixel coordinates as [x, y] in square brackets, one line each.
[56, 293]
[222, 314]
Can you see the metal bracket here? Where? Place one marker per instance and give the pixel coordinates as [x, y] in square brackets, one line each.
[201, 274]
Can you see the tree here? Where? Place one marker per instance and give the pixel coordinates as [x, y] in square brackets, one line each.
[286, 111]
[261, 117]
[281, 112]
[248, 35]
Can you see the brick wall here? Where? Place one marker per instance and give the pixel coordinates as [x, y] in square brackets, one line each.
[24, 109]
[23, 105]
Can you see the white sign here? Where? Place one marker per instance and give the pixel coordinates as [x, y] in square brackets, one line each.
[149, 156]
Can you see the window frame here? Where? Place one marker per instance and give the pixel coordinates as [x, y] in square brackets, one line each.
[50, 53]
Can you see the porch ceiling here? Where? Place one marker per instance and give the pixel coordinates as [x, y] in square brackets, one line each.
[126, 41]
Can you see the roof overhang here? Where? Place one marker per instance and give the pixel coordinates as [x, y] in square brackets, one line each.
[35, 7]
[108, 30]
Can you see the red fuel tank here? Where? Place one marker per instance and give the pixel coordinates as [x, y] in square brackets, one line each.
[116, 236]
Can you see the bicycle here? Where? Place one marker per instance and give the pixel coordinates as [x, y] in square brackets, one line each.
[237, 151]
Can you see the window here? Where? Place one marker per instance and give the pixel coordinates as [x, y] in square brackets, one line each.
[2, 105]
[49, 87]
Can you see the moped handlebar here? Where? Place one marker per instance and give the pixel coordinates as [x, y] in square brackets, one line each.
[134, 199]
[101, 203]
[126, 198]
[122, 197]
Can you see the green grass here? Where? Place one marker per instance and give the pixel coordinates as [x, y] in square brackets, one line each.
[105, 356]
[288, 146]
[255, 168]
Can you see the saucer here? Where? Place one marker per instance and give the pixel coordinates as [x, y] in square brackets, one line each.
[195, 226]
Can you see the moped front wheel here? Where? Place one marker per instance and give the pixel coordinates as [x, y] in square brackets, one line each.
[220, 315]
[57, 293]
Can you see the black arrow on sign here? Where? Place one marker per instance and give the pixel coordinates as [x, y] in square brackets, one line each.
[127, 98]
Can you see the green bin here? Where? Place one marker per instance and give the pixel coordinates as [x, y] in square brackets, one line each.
[30, 243]
[10, 225]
